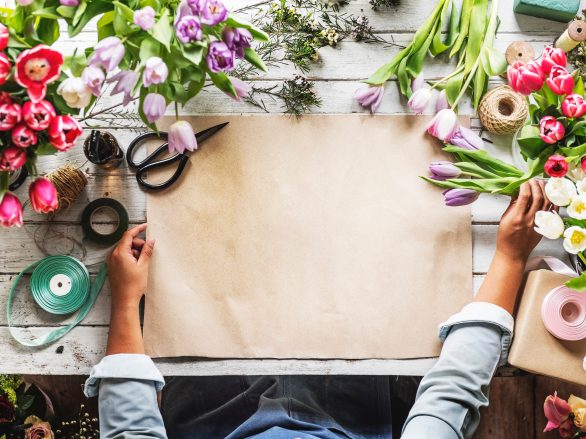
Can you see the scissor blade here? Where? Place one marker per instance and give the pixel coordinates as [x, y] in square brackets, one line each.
[202, 136]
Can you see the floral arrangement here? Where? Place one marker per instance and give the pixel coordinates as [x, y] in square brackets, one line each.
[567, 417]
[160, 52]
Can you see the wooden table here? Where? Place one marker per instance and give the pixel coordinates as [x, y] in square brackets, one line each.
[336, 78]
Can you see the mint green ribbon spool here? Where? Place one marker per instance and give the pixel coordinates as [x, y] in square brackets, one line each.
[60, 285]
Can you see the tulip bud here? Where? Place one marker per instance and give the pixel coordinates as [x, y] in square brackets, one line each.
[43, 195]
[443, 170]
[460, 197]
[556, 411]
[108, 53]
[145, 18]
[560, 81]
[420, 100]
[417, 83]
[574, 106]
[444, 125]
[5, 67]
[242, 88]
[442, 102]
[155, 71]
[154, 106]
[525, 78]
[10, 211]
[12, 158]
[549, 224]
[93, 77]
[38, 116]
[560, 191]
[370, 97]
[466, 138]
[552, 57]
[23, 136]
[556, 166]
[181, 137]
[4, 37]
[551, 130]
[63, 131]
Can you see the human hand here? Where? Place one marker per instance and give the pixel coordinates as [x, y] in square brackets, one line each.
[516, 235]
[128, 267]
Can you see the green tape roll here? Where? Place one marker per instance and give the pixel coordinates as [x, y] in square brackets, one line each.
[60, 285]
[100, 238]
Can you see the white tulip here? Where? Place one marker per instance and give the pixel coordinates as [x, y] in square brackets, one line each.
[575, 172]
[560, 191]
[581, 186]
[575, 240]
[549, 224]
[577, 208]
[75, 92]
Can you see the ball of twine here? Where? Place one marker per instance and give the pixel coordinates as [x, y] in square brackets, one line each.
[502, 111]
[69, 182]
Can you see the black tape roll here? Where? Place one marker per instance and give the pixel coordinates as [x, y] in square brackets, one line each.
[100, 238]
[17, 178]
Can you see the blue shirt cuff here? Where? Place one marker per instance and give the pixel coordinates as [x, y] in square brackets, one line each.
[123, 366]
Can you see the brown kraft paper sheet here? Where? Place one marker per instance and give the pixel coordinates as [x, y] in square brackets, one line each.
[306, 238]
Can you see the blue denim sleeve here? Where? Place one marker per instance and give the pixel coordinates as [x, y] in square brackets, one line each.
[127, 386]
[476, 342]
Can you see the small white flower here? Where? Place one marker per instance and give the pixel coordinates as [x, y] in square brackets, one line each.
[581, 186]
[75, 92]
[575, 172]
[549, 224]
[577, 208]
[575, 240]
[560, 191]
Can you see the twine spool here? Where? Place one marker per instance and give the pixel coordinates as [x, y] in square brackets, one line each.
[69, 182]
[519, 51]
[574, 35]
[502, 111]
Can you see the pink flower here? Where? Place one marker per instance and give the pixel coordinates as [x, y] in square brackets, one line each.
[566, 430]
[417, 83]
[10, 115]
[370, 97]
[93, 77]
[5, 98]
[5, 67]
[556, 411]
[37, 67]
[574, 106]
[525, 78]
[556, 166]
[155, 71]
[43, 195]
[12, 158]
[108, 53]
[442, 102]
[552, 57]
[420, 100]
[560, 81]
[583, 164]
[181, 137]
[64, 131]
[23, 136]
[551, 130]
[154, 106]
[4, 37]
[145, 18]
[38, 116]
[242, 88]
[71, 3]
[444, 125]
[10, 211]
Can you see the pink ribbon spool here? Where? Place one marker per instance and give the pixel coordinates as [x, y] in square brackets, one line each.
[564, 314]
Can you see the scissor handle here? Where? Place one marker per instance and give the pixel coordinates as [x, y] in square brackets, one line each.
[150, 158]
[160, 164]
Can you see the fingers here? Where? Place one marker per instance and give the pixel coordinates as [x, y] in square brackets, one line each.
[524, 199]
[147, 252]
[130, 234]
[538, 198]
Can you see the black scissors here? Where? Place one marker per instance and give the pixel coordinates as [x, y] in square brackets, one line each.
[151, 161]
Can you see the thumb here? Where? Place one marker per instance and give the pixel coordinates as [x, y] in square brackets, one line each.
[147, 251]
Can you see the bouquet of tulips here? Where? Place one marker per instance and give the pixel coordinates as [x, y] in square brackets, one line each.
[567, 417]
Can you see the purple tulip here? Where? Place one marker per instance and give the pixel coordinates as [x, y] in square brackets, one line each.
[183, 10]
[145, 18]
[220, 58]
[196, 6]
[460, 197]
[125, 81]
[420, 100]
[72, 3]
[237, 40]
[466, 138]
[242, 88]
[443, 170]
[93, 77]
[417, 83]
[188, 29]
[370, 97]
[213, 12]
[155, 71]
[154, 106]
[442, 102]
[108, 53]
[181, 137]
[444, 125]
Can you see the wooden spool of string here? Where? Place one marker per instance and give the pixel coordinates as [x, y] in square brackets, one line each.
[502, 111]
[574, 35]
[69, 182]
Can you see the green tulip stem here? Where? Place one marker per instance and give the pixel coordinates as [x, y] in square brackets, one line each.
[447, 78]
[176, 110]
[581, 256]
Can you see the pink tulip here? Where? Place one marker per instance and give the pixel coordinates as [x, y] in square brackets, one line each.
[181, 137]
[10, 115]
[10, 211]
[574, 106]
[370, 97]
[552, 57]
[443, 170]
[442, 102]
[5, 98]
[525, 78]
[420, 100]
[560, 81]
[4, 36]
[556, 411]
[38, 116]
[566, 430]
[12, 158]
[444, 125]
[155, 71]
[551, 130]
[23, 136]
[556, 166]
[242, 88]
[5, 67]
[417, 83]
[43, 195]
[64, 131]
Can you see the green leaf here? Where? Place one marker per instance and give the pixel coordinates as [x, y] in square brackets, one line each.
[530, 142]
[404, 78]
[574, 153]
[163, 31]
[493, 61]
[253, 58]
[476, 36]
[475, 170]
[95, 8]
[121, 8]
[438, 45]
[76, 63]
[453, 87]
[223, 82]
[106, 19]
[577, 283]
[193, 53]
[51, 13]
[66, 11]
[48, 30]
[579, 86]
[79, 11]
[46, 149]
[383, 74]
[465, 14]
[258, 34]
[480, 85]
[487, 161]
[149, 48]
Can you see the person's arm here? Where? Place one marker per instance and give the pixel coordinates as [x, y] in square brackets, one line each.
[476, 340]
[127, 381]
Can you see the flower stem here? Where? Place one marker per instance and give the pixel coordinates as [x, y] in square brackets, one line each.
[451, 75]
[176, 110]
[581, 256]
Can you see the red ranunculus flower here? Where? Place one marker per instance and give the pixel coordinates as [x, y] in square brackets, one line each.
[37, 67]
[10, 115]
[38, 116]
[5, 67]
[6, 410]
[4, 35]
[64, 131]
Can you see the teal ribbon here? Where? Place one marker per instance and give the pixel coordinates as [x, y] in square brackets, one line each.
[78, 293]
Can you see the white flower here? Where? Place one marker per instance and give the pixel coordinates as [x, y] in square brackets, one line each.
[575, 172]
[75, 92]
[560, 191]
[577, 208]
[575, 240]
[549, 224]
[581, 186]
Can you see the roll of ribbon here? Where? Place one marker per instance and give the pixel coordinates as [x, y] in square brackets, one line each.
[574, 35]
[60, 285]
[564, 314]
[101, 238]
